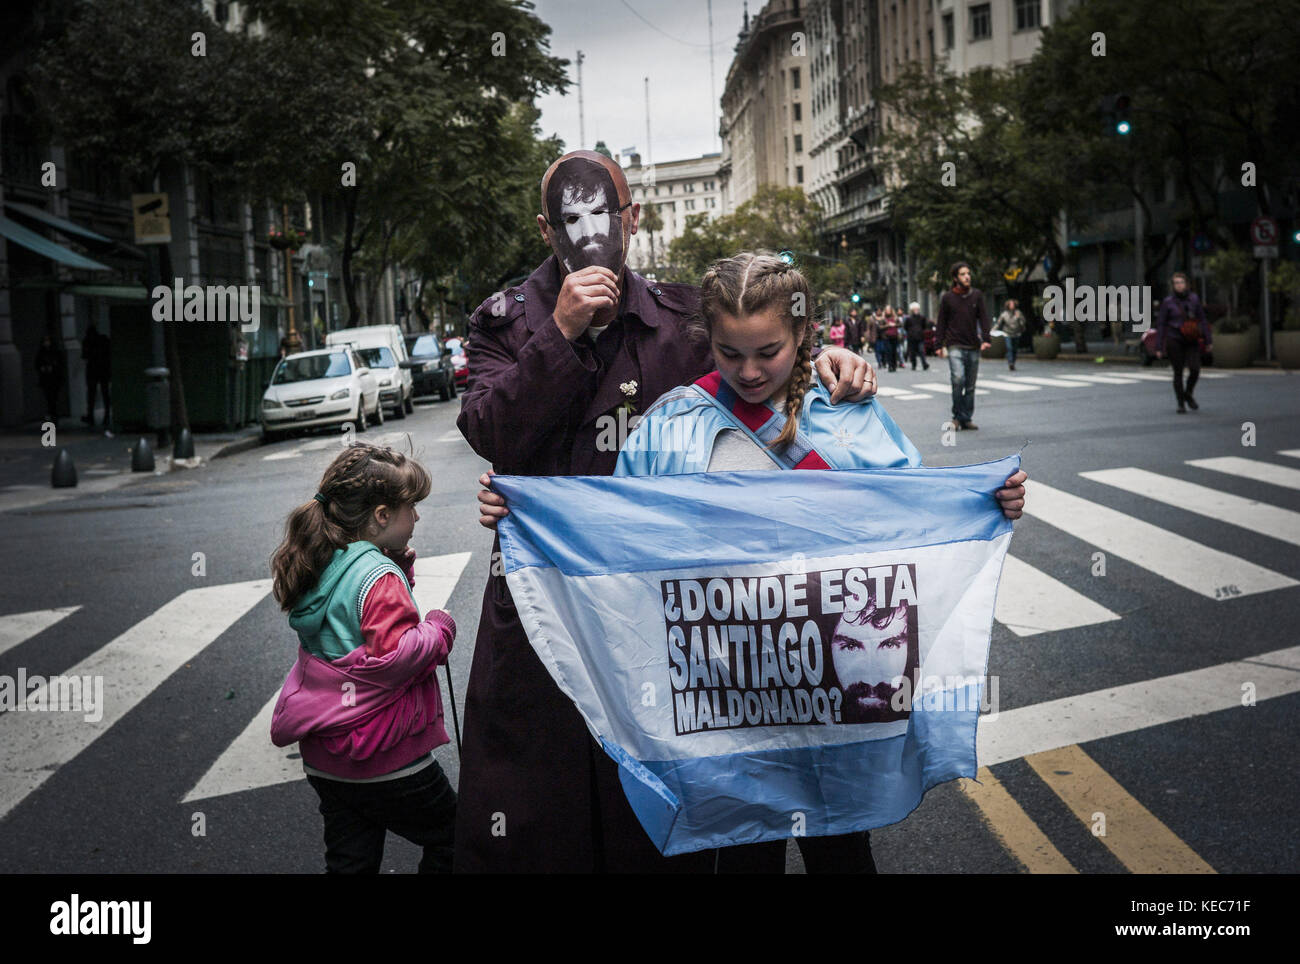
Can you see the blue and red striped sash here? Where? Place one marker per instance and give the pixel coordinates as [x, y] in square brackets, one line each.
[760, 423]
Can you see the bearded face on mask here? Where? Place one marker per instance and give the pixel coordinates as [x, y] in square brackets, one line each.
[585, 197]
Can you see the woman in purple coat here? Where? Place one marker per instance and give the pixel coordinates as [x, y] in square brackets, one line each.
[1180, 327]
[558, 366]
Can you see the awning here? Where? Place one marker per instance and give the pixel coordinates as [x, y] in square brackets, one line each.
[29, 239]
[121, 292]
[67, 227]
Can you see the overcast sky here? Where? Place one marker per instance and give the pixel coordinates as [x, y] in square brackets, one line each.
[620, 51]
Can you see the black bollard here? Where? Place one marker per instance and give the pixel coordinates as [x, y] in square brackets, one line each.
[64, 473]
[184, 447]
[142, 456]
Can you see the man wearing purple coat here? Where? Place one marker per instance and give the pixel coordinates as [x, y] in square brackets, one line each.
[551, 363]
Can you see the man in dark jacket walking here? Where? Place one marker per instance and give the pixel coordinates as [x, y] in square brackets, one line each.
[1180, 328]
[962, 331]
[914, 326]
[552, 362]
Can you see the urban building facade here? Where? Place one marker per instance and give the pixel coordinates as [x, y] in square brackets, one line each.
[676, 190]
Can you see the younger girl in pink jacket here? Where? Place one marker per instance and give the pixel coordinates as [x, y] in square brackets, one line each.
[362, 701]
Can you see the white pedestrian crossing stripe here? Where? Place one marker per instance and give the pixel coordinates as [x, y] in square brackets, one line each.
[1005, 386]
[1031, 602]
[944, 389]
[1102, 379]
[1253, 469]
[34, 744]
[17, 628]
[1268, 520]
[1290, 453]
[252, 760]
[1052, 382]
[1209, 572]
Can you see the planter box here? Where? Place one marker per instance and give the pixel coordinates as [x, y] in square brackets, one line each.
[1286, 347]
[1234, 351]
[1047, 347]
[997, 348]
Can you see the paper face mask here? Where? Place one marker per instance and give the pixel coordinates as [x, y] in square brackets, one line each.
[585, 209]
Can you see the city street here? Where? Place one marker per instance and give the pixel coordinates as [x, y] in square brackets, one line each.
[1146, 662]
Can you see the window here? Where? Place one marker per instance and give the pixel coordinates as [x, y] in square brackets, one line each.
[690, 204]
[1029, 14]
[794, 78]
[798, 143]
[656, 192]
[981, 22]
[798, 112]
[798, 174]
[949, 36]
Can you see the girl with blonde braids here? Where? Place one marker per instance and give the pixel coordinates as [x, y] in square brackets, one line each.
[762, 409]
[362, 702]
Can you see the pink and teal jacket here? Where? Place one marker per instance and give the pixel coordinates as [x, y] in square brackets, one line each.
[362, 700]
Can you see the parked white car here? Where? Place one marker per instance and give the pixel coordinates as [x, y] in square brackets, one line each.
[329, 386]
[383, 349]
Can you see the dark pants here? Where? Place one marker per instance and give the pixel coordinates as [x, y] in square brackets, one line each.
[1182, 354]
[890, 353]
[94, 383]
[51, 389]
[963, 367]
[421, 808]
[915, 350]
[848, 853]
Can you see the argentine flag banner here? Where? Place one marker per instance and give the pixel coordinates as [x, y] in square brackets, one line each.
[765, 654]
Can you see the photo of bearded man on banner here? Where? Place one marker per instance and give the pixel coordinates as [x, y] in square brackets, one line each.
[584, 208]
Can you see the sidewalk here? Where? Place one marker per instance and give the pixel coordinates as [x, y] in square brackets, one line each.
[103, 463]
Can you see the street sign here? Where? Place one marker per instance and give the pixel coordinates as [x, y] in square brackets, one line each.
[1263, 230]
[152, 218]
[1202, 244]
[1266, 250]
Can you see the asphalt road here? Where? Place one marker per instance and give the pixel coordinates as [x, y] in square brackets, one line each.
[1160, 739]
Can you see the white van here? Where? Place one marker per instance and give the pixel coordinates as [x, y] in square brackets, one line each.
[383, 348]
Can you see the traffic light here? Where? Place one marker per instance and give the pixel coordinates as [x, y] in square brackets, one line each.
[1114, 110]
[855, 298]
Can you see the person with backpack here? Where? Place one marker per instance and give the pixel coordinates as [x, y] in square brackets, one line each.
[1181, 327]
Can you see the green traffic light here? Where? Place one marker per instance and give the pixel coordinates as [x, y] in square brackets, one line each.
[855, 297]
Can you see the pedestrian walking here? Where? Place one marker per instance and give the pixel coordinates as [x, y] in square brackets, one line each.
[582, 340]
[890, 333]
[1012, 322]
[49, 374]
[915, 326]
[853, 331]
[871, 337]
[836, 333]
[1183, 332]
[962, 331]
[362, 701]
[96, 352]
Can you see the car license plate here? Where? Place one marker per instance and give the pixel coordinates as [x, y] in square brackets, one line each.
[307, 414]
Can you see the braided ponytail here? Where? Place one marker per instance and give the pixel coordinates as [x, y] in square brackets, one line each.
[360, 478]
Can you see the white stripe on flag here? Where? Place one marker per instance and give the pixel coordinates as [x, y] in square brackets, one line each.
[1005, 386]
[34, 744]
[1252, 469]
[252, 760]
[1013, 734]
[1032, 602]
[1213, 574]
[17, 628]
[1268, 520]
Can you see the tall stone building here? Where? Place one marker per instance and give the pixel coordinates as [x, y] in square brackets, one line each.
[764, 105]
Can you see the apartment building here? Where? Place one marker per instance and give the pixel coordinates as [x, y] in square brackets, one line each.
[677, 190]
